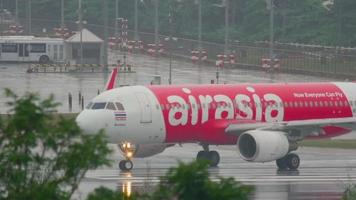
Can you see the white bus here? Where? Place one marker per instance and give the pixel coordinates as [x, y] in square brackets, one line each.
[31, 49]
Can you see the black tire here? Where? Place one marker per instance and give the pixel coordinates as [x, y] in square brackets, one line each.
[125, 165]
[121, 164]
[202, 155]
[44, 59]
[282, 163]
[214, 158]
[293, 161]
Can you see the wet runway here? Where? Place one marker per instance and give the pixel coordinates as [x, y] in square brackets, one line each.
[14, 76]
[323, 174]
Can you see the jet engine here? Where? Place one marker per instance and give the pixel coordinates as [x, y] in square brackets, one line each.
[262, 145]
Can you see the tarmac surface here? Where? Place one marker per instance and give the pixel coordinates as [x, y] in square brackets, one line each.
[324, 173]
[14, 76]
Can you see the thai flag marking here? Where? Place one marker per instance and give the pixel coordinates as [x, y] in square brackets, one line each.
[120, 115]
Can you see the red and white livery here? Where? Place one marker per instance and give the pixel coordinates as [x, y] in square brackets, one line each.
[265, 121]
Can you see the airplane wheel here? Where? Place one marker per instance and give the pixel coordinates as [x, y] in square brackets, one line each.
[293, 161]
[203, 155]
[214, 158]
[125, 165]
[282, 163]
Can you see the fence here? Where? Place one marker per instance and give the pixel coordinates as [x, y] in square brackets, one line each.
[310, 59]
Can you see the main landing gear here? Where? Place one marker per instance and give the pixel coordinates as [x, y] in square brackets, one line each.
[212, 156]
[128, 151]
[290, 161]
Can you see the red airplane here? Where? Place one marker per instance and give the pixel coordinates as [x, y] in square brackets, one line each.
[265, 121]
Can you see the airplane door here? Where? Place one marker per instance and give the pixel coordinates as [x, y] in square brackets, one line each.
[21, 50]
[26, 49]
[146, 112]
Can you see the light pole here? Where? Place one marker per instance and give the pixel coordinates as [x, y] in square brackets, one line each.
[29, 17]
[199, 29]
[170, 45]
[80, 27]
[16, 11]
[226, 47]
[156, 26]
[105, 15]
[270, 6]
[116, 17]
[136, 21]
[62, 13]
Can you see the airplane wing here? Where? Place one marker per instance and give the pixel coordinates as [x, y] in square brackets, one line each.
[305, 128]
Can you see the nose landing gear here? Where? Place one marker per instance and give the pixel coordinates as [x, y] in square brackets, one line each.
[125, 165]
[212, 156]
[128, 150]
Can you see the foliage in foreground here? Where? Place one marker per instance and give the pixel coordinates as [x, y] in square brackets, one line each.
[187, 182]
[350, 192]
[191, 181]
[42, 157]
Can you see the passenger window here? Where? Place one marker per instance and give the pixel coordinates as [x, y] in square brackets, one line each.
[110, 106]
[295, 104]
[321, 104]
[119, 106]
[286, 104]
[89, 105]
[100, 105]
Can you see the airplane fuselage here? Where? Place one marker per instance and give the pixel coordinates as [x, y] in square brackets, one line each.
[265, 121]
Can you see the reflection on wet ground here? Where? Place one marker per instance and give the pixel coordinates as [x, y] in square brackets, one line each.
[324, 173]
[14, 76]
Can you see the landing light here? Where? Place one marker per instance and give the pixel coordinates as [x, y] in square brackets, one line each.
[129, 154]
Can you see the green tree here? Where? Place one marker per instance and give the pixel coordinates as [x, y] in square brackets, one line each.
[108, 194]
[191, 181]
[350, 192]
[42, 156]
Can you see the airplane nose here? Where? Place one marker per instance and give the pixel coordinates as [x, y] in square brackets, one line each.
[86, 122]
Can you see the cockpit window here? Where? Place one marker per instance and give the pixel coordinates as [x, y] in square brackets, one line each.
[89, 105]
[119, 106]
[99, 105]
[110, 106]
